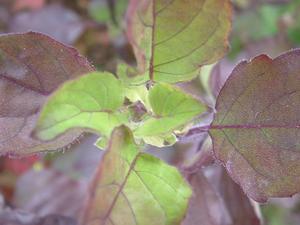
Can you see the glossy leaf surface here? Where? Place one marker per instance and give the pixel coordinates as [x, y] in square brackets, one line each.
[90, 103]
[171, 107]
[32, 66]
[257, 126]
[132, 187]
[172, 39]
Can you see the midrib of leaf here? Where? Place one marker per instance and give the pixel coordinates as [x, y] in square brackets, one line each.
[151, 69]
[222, 128]
[76, 115]
[244, 126]
[42, 89]
[121, 187]
[194, 49]
[207, 128]
[22, 85]
[254, 126]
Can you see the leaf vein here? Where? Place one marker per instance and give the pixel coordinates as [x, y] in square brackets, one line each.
[190, 52]
[183, 27]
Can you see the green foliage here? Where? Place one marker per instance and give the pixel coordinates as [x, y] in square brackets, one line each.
[99, 108]
[132, 187]
[90, 102]
[173, 39]
[171, 107]
[255, 130]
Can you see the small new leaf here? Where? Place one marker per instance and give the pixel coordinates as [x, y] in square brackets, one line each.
[134, 188]
[256, 128]
[172, 109]
[90, 103]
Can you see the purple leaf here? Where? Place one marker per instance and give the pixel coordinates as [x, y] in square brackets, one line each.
[206, 207]
[32, 66]
[18, 217]
[218, 200]
[49, 192]
[256, 128]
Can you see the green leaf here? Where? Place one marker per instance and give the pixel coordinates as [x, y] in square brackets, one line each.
[161, 141]
[91, 102]
[172, 39]
[256, 128]
[172, 108]
[133, 188]
[135, 90]
[101, 143]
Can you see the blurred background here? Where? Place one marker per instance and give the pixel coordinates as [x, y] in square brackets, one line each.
[97, 29]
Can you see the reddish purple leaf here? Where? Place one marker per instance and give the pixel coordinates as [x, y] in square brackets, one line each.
[49, 192]
[18, 217]
[256, 128]
[206, 207]
[238, 205]
[32, 66]
[218, 200]
[219, 75]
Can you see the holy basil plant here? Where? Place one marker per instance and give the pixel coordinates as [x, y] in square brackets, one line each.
[50, 95]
